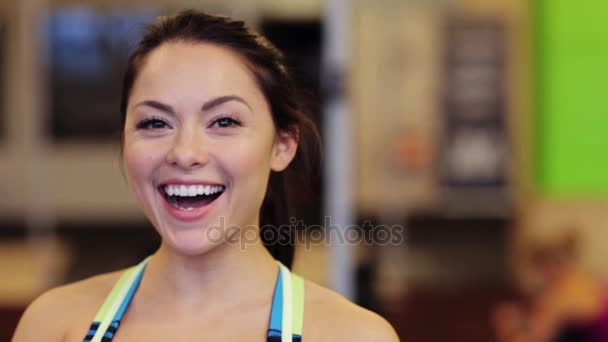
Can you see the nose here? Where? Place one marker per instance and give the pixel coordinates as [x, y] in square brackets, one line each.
[189, 150]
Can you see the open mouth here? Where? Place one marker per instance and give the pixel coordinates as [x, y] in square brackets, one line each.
[189, 197]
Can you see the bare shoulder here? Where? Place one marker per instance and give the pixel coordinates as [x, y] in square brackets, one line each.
[329, 316]
[52, 315]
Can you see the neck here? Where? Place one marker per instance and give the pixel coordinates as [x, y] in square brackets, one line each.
[228, 274]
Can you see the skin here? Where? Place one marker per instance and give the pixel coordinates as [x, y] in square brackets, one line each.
[195, 286]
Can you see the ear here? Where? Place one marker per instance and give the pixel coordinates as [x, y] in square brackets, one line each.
[283, 150]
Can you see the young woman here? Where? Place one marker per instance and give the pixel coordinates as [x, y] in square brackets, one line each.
[212, 131]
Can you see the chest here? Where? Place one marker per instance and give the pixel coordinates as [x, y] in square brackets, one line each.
[226, 329]
[233, 327]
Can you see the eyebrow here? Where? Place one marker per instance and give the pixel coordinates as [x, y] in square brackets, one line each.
[223, 99]
[157, 105]
[210, 104]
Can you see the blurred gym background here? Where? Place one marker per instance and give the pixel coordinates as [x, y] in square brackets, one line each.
[477, 125]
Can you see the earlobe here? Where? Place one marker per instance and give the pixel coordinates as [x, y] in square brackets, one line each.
[284, 150]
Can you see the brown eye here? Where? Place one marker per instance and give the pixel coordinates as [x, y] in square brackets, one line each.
[152, 124]
[225, 122]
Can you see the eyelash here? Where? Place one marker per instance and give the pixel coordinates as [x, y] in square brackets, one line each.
[147, 123]
[150, 122]
[233, 121]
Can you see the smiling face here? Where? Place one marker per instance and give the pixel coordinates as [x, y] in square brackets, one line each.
[199, 144]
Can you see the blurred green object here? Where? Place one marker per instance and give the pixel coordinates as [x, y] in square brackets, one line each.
[571, 66]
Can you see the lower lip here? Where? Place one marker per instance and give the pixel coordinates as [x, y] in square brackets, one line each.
[189, 215]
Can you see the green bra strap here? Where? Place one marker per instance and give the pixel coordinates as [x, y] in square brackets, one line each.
[297, 286]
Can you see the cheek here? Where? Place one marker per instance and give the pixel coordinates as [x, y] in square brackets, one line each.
[248, 164]
[249, 158]
[139, 161]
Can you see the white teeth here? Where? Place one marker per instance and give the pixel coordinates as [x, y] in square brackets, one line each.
[192, 190]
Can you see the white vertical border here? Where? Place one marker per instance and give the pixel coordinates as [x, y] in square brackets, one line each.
[338, 144]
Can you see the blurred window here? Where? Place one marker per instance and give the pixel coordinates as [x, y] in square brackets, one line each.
[88, 50]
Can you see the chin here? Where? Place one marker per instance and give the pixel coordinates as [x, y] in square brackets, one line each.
[189, 242]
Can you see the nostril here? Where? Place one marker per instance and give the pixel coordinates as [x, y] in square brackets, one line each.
[187, 158]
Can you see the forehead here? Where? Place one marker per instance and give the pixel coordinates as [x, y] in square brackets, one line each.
[195, 71]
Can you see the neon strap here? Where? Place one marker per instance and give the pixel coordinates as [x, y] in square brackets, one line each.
[287, 314]
[117, 302]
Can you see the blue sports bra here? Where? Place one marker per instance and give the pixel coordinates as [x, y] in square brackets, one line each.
[286, 315]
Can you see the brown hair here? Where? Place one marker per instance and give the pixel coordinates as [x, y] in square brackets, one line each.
[267, 65]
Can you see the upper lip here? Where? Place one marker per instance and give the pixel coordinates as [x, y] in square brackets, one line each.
[189, 182]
